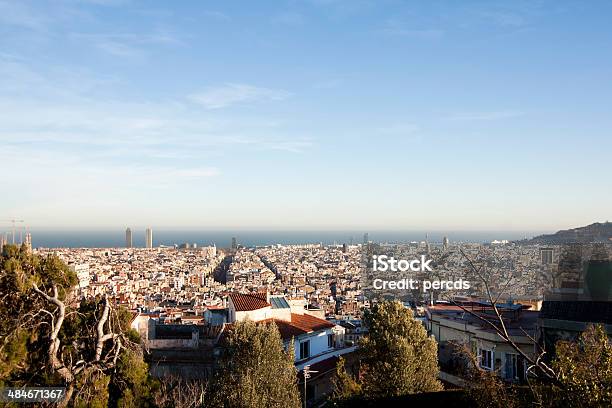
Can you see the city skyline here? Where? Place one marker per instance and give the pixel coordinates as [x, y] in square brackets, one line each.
[318, 114]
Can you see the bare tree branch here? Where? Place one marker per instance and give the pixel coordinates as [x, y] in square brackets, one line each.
[501, 328]
[57, 322]
[102, 337]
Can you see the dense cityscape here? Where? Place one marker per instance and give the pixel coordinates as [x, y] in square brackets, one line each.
[183, 298]
[305, 204]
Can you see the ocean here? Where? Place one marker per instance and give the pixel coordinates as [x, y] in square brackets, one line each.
[223, 238]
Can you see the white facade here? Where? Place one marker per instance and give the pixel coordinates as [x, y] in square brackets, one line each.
[82, 272]
[260, 314]
[316, 343]
[310, 347]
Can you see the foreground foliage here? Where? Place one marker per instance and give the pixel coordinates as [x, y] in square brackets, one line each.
[49, 337]
[585, 368]
[255, 370]
[583, 378]
[397, 356]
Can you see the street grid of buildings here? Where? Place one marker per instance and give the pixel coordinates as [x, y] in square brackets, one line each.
[333, 278]
[185, 298]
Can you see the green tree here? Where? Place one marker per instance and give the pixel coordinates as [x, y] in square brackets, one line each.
[48, 337]
[345, 386]
[585, 368]
[486, 388]
[23, 323]
[255, 370]
[397, 356]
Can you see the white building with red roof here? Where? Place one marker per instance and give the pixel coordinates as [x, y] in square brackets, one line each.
[315, 339]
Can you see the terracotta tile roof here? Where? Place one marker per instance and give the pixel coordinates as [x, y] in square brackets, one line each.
[310, 323]
[249, 301]
[287, 331]
[299, 324]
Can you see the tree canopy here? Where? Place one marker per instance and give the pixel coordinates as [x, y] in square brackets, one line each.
[255, 370]
[585, 368]
[48, 336]
[397, 356]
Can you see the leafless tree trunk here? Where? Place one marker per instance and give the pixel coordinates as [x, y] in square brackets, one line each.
[69, 373]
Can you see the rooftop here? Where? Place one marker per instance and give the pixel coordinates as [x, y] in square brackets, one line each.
[249, 301]
[300, 324]
[515, 322]
[279, 302]
[577, 311]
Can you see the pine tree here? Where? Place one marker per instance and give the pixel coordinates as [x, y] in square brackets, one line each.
[345, 386]
[398, 357]
[47, 337]
[255, 370]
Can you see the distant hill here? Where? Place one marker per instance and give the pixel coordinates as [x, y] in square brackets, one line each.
[597, 232]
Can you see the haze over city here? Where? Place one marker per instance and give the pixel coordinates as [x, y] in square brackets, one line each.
[306, 114]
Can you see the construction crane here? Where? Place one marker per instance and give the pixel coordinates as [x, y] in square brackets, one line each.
[14, 222]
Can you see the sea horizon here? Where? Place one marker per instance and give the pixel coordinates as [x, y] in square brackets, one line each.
[105, 238]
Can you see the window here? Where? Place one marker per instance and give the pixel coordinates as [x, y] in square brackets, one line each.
[486, 359]
[515, 369]
[304, 349]
[330, 341]
[511, 368]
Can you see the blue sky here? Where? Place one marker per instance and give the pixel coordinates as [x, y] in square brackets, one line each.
[331, 114]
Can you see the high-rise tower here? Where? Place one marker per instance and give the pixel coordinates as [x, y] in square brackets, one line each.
[28, 241]
[129, 243]
[149, 237]
[3, 241]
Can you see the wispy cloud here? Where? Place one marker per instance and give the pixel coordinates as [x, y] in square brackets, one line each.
[17, 13]
[485, 116]
[291, 146]
[232, 94]
[119, 49]
[53, 108]
[400, 131]
[128, 44]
